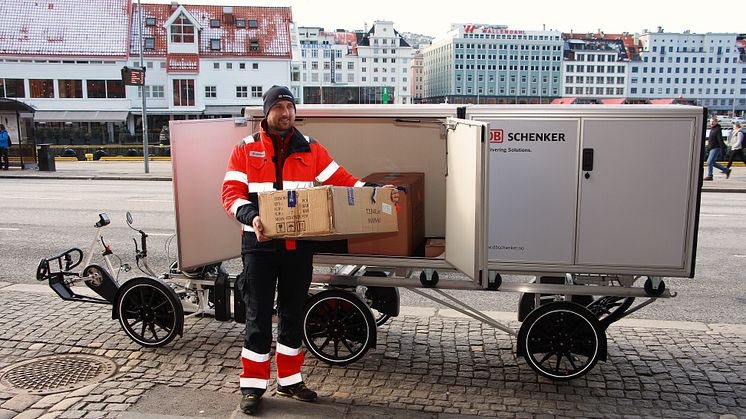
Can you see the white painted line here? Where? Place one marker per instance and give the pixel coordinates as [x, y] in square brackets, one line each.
[739, 256]
[9, 229]
[151, 200]
[712, 215]
[161, 234]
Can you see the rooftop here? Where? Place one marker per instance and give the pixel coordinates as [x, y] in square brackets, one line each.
[64, 27]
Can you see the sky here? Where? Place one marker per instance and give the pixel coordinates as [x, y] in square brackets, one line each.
[434, 18]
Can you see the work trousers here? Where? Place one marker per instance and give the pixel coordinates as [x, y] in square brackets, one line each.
[288, 272]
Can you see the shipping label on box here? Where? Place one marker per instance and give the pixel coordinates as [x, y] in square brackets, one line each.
[327, 212]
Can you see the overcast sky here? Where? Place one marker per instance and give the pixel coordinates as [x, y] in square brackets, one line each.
[434, 18]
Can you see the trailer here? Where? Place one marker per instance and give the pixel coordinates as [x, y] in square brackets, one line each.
[592, 205]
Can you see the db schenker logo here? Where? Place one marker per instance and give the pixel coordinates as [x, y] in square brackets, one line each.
[496, 136]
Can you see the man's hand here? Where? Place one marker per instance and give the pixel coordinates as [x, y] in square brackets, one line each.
[259, 229]
[394, 193]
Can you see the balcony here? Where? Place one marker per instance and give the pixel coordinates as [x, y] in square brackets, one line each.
[182, 63]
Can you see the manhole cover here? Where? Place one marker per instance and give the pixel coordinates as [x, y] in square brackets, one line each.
[56, 373]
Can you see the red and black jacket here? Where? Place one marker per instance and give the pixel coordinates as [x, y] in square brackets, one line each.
[256, 166]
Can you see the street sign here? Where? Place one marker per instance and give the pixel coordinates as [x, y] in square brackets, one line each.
[133, 76]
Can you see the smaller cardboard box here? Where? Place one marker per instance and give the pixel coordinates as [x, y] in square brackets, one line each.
[435, 248]
[411, 218]
[327, 212]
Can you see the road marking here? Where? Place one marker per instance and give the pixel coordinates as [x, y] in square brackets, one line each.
[739, 256]
[9, 229]
[713, 215]
[151, 200]
[161, 234]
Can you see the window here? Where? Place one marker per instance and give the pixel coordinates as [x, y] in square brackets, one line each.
[157, 92]
[242, 66]
[182, 31]
[96, 89]
[214, 23]
[229, 66]
[211, 91]
[242, 91]
[256, 91]
[240, 23]
[41, 88]
[216, 66]
[351, 65]
[149, 21]
[115, 89]
[255, 66]
[149, 43]
[253, 23]
[215, 44]
[254, 45]
[184, 92]
[12, 88]
[70, 88]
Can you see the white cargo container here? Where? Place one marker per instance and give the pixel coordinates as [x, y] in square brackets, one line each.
[591, 197]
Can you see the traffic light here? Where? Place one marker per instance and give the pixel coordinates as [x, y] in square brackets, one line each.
[133, 76]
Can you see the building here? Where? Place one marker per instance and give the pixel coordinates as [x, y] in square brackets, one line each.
[200, 62]
[207, 61]
[355, 67]
[477, 63]
[416, 77]
[707, 69]
[595, 66]
[66, 65]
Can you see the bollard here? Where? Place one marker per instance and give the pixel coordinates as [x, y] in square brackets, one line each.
[89, 156]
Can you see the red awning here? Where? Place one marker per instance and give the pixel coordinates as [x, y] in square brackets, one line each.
[662, 101]
[563, 101]
[614, 101]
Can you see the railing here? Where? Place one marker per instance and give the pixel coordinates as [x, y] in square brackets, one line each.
[118, 150]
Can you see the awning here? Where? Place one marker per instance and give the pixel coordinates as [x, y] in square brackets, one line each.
[14, 105]
[80, 116]
[614, 101]
[223, 110]
[563, 100]
[662, 101]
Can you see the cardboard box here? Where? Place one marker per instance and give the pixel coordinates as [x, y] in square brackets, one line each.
[327, 212]
[435, 248]
[411, 218]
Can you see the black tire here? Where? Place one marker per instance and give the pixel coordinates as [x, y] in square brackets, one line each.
[654, 292]
[149, 312]
[338, 328]
[561, 340]
[429, 283]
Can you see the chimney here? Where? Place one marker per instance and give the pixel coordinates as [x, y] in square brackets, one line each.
[228, 14]
[174, 5]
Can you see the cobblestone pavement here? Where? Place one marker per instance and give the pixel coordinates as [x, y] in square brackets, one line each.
[424, 366]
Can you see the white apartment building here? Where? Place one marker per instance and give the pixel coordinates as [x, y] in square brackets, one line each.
[708, 69]
[493, 64]
[66, 64]
[64, 58]
[355, 67]
[595, 67]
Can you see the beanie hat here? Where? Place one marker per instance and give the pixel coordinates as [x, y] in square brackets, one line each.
[276, 94]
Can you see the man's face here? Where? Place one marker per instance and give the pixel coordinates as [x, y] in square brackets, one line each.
[713, 122]
[281, 116]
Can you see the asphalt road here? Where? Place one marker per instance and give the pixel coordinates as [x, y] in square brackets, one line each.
[43, 217]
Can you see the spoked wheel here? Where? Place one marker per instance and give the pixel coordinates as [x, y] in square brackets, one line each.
[561, 340]
[149, 311]
[610, 309]
[338, 327]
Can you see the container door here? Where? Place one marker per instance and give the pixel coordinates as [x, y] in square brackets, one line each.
[199, 153]
[634, 197]
[466, 190]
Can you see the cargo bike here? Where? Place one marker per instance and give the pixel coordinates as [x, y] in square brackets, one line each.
[571, 200]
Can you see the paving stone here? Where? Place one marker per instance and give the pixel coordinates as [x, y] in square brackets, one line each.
[20, 402]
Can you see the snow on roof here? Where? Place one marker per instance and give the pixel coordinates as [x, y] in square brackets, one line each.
[64, 27]
[272, 30]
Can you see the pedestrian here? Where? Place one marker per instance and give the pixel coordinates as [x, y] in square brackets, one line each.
[277, 157]
[736, 145]
[4, 146]
[715, 144]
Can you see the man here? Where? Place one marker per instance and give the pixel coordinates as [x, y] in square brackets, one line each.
[277, 157]
[4, 146]
[714, 144]
[736, 145]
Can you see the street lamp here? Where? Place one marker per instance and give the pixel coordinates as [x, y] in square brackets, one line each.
[142, 93]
